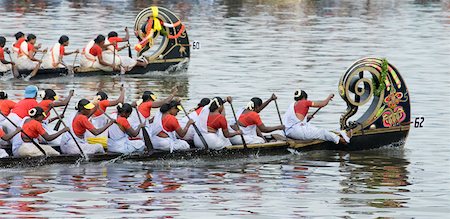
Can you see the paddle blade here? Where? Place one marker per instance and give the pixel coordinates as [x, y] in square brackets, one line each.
[58, 124]
[147, 141]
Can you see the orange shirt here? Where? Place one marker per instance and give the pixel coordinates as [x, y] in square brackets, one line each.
[23, 106]
[45, 105]
[80, 124]
[62, 50]
[30, 47]
[6, 106]
[33, 128]
[115, 40]
[250, 118]
[145, 108]
[96, 50]
[19, 42]
[170, 123]
[217, 121]
[122, 121]
[102, 105]
[2, 53]
[2, 133]
[302, 107]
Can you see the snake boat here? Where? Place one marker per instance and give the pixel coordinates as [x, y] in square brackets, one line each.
[371, 85]
[172, 54]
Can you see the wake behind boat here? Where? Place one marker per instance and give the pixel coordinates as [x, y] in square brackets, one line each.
[371, 84]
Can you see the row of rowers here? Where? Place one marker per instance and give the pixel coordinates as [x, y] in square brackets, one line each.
[100, 53]
[122, 130]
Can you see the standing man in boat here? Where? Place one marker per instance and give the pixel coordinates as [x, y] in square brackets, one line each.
[33, 128]
[93, 56]
[166, 127]
[297, 125]
[251, 124]
[120, 133]
[27, 51]
[5, 65]
[79, 125]
[54, 59]
[214, 126]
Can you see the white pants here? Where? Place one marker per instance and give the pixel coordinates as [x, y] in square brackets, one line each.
[249, 139]
[125, 145]
[28, 149]
[68, 146]
[167, 144]
[3, 153]
[24, 63]
[5, 68]
[215, 141]
[306, 131]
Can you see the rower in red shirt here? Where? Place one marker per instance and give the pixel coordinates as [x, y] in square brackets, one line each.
[33, 128]
[49, 100]
[22, 107]
[194, 115]
[6, 137]
[80, 124]
[26, 58]
[251, 124]
[126, 63]
[93, 56]
[5, 65]
[214, 126]
[5, 105]
[166, 128]
[20, 38]
[54, 59]
[148, 102]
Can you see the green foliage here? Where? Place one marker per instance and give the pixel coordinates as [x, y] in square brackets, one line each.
[381, 85]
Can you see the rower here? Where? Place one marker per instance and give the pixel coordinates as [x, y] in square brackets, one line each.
[251, 124]
[79, 124]
[26, 59]
[120, 132]
[214, 126]
[297, 125]
[6, 105]
[93, 56]
[166, 127]
[20, 38]
[99, 119]
[4, 138]
[33, 128]
[49, 100]
[5, 66]
[54, 59]
[194, 115]
[126, 63]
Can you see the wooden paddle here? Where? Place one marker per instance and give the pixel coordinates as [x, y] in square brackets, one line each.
[279, 116]
[237, 125]
[129, 50]
[13, 67]
[58, 124]
[196, 129]
[147, 140]
[71, 134]
[32, 141]
[312, 116]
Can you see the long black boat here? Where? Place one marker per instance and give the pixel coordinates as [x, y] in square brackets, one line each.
[172, 54]
[370, 83]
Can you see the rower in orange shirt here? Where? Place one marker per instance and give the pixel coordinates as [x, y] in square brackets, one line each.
[194, 115]
[5, 105]
[20, 38]
[5, 66]
[54, 59]
[4, 138]
[94, 57]
[26, 58]
[127, 63]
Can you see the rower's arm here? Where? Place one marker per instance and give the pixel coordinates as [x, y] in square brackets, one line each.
[228, 134]
[134, 132]
[182, 132]
[9, 136]
[157, 104]
[102, 62]
[127, 34]
[273, 97]
[319, 104]
[65, 101]
[53, 119]
[5, 62]
[121, 98]
[52, 137]
[267, 129]
[101, 130]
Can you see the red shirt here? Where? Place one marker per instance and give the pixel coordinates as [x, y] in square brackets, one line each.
[250, 118]
[6, 106]
[45, 105]
[19, 42]
[62, 50]
[122, 121]
[115, 40]
[170, 123]
[145, 108]
[102, 105]
[2, 53]
[33, 128]
[23, 106]
[302, 107]
[217, 121]
[2, 133]
[30, 47]
[96, 50]
[80, 124]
